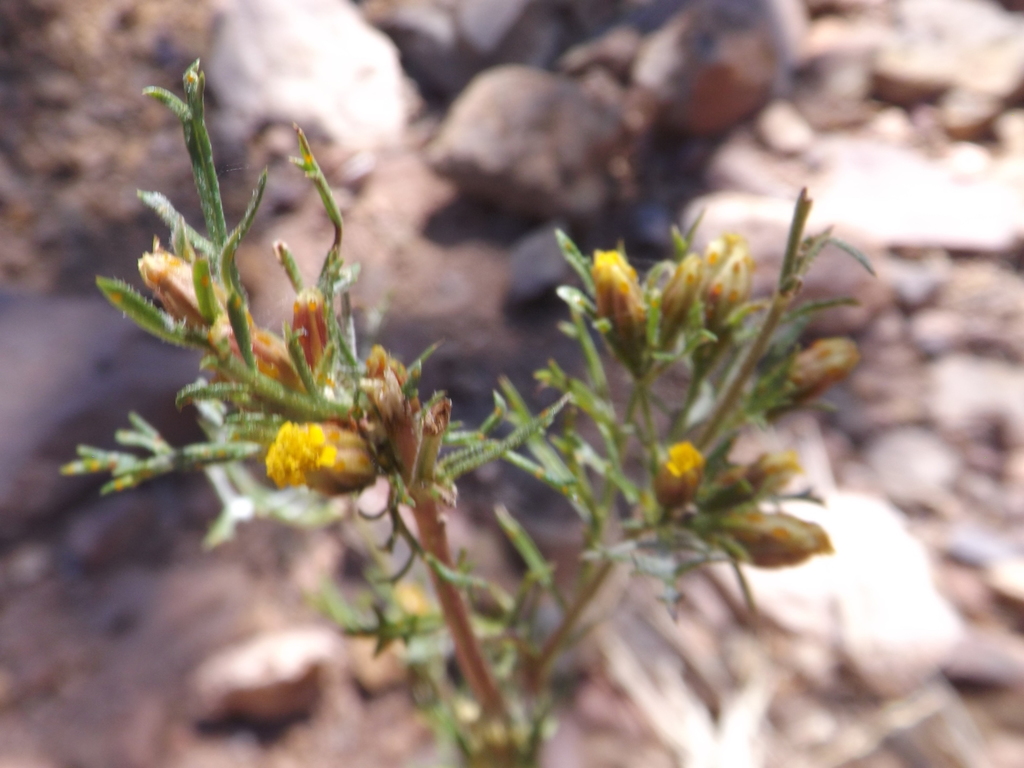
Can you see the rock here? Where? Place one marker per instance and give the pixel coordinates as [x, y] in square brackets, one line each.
[973, 45]
[917, 282]
[783, 129]
[832, 90]
[914, 465]
[529, 141]
[427, 36]
[484, 23]
[72, 370]
[536, 264]
[765, 221]
[988, 302]
[896, 196]
[272, 677]
[444, 44]
[971, 395]
[1006, 579]
[615, 51]
[967, 115]
[314, 62]
[978, 547]
[375, 672]
[710, 66]
[1009, 131]
[936, 331]
[873, 600]
[987, 657]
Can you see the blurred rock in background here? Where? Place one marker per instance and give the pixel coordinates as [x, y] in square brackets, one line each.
[459, 134]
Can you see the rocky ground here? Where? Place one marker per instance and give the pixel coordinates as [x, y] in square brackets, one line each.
[459, 134]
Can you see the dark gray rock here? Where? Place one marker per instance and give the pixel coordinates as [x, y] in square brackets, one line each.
[72, 369]
[536, 265]
[529, 141]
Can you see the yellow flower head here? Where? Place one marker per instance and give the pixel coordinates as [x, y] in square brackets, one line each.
[684, 458]
[620, 300]
[298, 449]
[679, 476]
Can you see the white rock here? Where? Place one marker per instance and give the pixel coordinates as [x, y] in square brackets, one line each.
[268, 678]
[1006, 578]
[967, 393]
[873, 600]
[310, 62]
[898, 197]
[914, 465]
[782, 128]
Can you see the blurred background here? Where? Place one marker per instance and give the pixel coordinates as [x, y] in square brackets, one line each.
[459, 135]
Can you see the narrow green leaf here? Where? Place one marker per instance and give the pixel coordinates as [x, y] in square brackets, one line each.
[298, 357]
[162, 207]
[579, 262]
[202, 281]
[169, 100]
[855, 252]
[240, 325]
[197, 141]
[291, 267]
[536, 563]
[145, 314]
[790, 267]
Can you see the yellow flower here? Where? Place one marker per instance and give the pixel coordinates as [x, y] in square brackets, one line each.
[322, 456]
[621, 301]
[679, 476]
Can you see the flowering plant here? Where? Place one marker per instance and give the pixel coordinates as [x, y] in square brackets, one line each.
[655, 490]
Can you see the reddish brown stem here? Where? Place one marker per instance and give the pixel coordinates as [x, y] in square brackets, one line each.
[434, 539]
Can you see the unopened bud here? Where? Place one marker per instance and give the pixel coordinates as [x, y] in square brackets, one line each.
[776, 540]
[681, 291]
[731, 277]
[824, 363]
[621, 301]
[379, 362]
[679, 476]
[170, 279]
[324, 457]
[309, 321]
[773, 471]
[272, 358]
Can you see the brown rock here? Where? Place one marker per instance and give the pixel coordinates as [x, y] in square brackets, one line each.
[711, 66]
[529, 141]
[271, 677]
[967, 114]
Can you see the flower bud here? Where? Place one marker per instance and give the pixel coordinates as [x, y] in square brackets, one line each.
[170, 279]
[776, 540]
[309, 321]
[379, 362]
[324, 457]
[773, 471]
[679, 476]
[681, 291]
[273, 360]
[824, 363]
[621, 301]
[731, 277]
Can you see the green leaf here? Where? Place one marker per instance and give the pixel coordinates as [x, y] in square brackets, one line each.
[580, 263]
[162, 207]
[857, 254]
[239, 318]
[147, 316]
[197, 141]
[536, 564]
[202, 281]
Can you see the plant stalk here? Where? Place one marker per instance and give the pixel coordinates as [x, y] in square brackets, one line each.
[430, 521]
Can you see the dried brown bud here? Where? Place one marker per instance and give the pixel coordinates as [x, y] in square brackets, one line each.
[776, 540]
[824, 363]
[773, 471]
